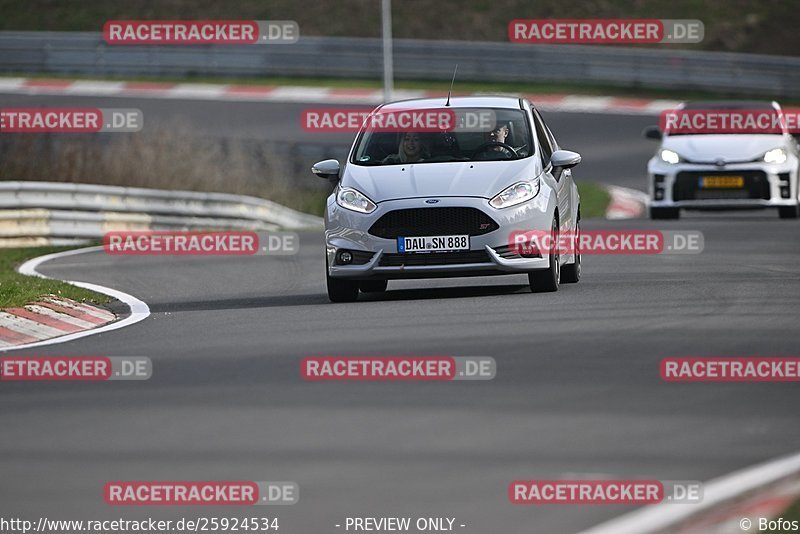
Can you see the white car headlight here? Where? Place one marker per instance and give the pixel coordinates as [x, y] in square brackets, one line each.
[354, 200]
[516, 194]
[776, 155]
[669, 156]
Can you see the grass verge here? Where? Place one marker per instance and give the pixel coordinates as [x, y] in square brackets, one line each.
[17, 290]
[733, 26]
[594, 200]
[791, 514]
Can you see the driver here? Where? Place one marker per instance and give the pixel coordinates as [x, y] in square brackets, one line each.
[498, 134]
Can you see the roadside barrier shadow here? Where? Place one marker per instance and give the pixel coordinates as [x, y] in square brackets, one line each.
[274, 301]
[314, 299]
[443, 292]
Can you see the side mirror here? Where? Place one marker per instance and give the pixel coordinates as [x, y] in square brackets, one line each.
[328, 169]
[652, 132]
[565, 159]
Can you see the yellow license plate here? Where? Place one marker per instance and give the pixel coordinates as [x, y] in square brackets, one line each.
[722, 182]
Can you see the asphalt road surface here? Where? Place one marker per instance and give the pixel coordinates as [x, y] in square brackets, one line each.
[577, 392]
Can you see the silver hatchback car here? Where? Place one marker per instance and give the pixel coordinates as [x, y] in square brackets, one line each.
[432, 203]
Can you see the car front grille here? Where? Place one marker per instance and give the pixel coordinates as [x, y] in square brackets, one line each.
[687, 186]
[433, 221]
[434, 258]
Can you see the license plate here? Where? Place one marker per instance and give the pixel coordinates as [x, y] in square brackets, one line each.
[438, 243]
[722, 182]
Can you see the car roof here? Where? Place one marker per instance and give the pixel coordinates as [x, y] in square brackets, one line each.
[507, 102]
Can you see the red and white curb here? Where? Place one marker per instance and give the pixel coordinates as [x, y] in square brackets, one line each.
[625, 203]
[51, 317]
[303, 94]
[763, 490]
[57, 320]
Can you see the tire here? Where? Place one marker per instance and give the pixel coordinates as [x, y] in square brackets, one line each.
[373, 286]
[546, 281]
[571, 273]
[665, 213]
[341, 289]
[787, 212]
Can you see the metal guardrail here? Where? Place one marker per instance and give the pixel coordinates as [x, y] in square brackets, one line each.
[54, 211]
[344, 57]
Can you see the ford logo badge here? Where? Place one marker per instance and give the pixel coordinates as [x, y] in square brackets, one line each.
[432, 201]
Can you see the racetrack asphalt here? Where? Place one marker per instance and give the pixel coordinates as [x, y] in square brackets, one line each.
[577, 392]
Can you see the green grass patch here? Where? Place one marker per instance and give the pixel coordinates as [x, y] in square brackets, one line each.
[740, 26]
[17, 290]
[594, 200]
[791, 514]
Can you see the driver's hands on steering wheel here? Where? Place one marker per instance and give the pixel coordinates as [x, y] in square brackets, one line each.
[497, 147]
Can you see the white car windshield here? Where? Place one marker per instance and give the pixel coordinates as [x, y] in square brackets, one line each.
[507, 137]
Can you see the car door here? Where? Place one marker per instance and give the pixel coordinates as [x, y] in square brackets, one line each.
[562, 177]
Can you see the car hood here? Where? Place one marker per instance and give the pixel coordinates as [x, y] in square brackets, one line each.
[463, 179]
[730, 147]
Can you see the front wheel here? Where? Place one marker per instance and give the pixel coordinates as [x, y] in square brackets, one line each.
[341, 289]
[787, 212]
[571, 273]
[547, 280]
[373, 286]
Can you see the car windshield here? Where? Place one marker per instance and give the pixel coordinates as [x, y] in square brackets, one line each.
[506, 136]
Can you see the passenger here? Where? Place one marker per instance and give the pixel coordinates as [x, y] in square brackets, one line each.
[411, 150]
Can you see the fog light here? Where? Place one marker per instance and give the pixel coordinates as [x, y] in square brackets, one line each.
[659, 194]
[784, 192]
[345, 257]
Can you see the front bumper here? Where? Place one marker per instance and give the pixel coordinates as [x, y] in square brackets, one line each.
[766, 185]
[489, 253]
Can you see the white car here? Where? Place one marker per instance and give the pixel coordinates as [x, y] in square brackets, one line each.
[452, 212]
[712, 170]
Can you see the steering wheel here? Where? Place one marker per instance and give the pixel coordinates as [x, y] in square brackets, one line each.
[486, 146]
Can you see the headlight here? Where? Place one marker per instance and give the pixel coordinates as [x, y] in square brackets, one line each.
[351, 199]
[776, 155]
[669, 156]
[516, 194]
